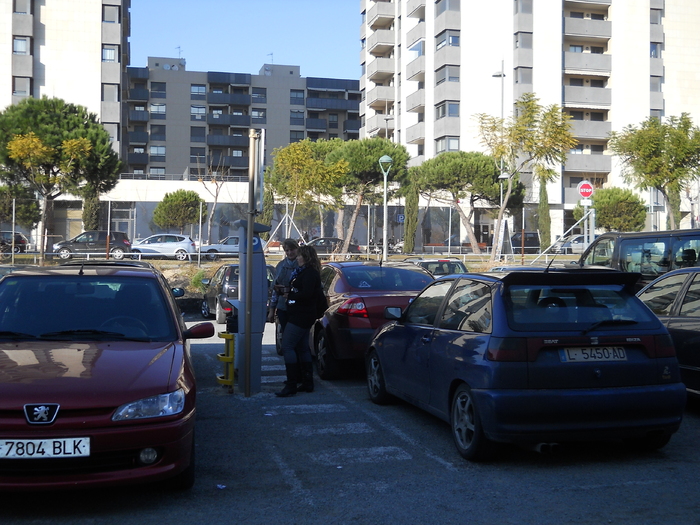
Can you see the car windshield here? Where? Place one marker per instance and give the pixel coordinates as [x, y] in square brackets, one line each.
[444, 267]
[385, 278]
[84, 308]
[569, 307]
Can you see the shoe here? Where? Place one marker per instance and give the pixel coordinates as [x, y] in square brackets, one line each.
[290, 385]
[307, 377]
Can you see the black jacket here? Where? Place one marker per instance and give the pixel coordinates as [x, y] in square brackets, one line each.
[302, 299]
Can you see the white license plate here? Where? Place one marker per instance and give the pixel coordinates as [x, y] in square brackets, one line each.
[596, 353]
[45, 448]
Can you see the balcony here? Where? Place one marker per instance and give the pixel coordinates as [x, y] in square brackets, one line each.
[139, 94]
[416, 9]
[228, 141]
[232, 99]
[22, 65]
[586, 97]
[380, 69]
[139, 159]
[240, 121]
[138, 137]
[416, 134]
[380, 15]
[380, 97]
[332, 103]
[225, 161]
[587, 28]
[587, 63]
[656, 67]
[379, 124]
[590, 129]
[657, 33]
[447, 20]
[381, 42]
[588, 163]
[447, 126]
[416, 34]
[316, 124]
[656, 100]
[351, 126]
[415, 70]
[447, 91]
[447, 55]
[415, 102]
[138, 116]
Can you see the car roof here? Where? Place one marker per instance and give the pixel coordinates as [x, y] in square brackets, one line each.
[557, 276]
[110, 263]
[87, 269]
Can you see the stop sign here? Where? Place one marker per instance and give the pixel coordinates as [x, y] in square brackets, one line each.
[585, 189]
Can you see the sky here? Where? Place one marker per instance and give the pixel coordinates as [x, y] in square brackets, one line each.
[239, 36]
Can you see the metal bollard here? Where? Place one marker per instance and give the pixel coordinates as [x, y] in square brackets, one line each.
[228, 357]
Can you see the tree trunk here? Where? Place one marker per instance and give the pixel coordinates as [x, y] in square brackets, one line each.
[467, 226]
[353, 220]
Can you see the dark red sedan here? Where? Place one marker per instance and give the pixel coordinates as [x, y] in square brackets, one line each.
[96, 382]
[357, 294]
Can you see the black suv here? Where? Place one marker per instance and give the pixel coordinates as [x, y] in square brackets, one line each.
[21, 241]
[94, 243]
[222, 286]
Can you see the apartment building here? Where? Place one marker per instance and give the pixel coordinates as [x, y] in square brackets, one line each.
[428, 67]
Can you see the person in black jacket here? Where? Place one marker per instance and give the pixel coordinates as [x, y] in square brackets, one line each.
[305, 287]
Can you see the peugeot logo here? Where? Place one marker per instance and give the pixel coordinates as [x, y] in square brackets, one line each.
[41, 414]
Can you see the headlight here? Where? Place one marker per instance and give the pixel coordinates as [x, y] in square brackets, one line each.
[156, 406]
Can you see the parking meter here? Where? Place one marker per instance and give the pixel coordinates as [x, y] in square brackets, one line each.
[258, 305]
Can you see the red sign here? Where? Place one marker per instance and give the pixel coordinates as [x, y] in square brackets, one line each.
[585, 189]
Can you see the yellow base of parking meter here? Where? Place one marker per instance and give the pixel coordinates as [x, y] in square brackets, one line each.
[227, 358]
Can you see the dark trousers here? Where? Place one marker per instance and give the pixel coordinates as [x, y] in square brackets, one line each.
[295, 344]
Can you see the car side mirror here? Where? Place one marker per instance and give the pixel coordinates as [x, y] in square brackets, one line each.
[178, 292]
[199, 331]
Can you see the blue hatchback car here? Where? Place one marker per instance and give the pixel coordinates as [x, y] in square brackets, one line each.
[532, 357]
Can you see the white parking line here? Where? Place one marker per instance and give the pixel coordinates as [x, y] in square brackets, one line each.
[305, 409]
[340, 429]
[345, 456]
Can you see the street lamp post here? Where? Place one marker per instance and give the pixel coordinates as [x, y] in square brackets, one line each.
[385, 165]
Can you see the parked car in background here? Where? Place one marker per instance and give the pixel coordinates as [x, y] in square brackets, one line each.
[443, 266]
[675, 299]
[181, 247]
[226, 247]
[225, 285]
[570, 244]
[357, 294]
[532, 357]
[94, 243]
[21, 243]
[100, 392]
[327, 245]
[531, 245]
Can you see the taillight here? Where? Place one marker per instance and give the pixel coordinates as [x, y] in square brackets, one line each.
[507, 349]
[354, 307]
[663, 346]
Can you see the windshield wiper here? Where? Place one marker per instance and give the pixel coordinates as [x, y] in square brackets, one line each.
[49, 335]
[609, 321]
[16, 335]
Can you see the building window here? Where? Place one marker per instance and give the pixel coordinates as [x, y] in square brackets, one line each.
[575, 49]
[417, 50]
[137, 171]
[655, 16]
[198, 92]
[258, 115]
[597, 50]
[296, 97]
[576, 14]
[110, 14]
[523, 6]
[656, 84]
[158, 111]
[447, 109]
[655, 50]
[139, 107]
[597, 116]
[446, 5]
[157, 132]
[447, 38]
[197, 155]
[598, 16]
[576, 115]
[237, 153]
[20, 45]
[577, 149]
[523, 75]
[296, 117]
[597, 83]
[110, 53]
[198, 112]
[110, 92]
[523, 40]
[159, 172]
[656, 113]
[138, 150]
[597, 149]
[198, 134]
[21, 86]
[296, 136]
[333, 120]
[447, 144]
[447, 73]
[578, 82]
[158, 89]
[259, 95]
[23, 7]
[157, 153]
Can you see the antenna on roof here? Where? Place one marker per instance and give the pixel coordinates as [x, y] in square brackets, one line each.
[272, 58]
[179, 52]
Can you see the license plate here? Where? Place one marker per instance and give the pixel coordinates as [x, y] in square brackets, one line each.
[597, 353]
[45, 448]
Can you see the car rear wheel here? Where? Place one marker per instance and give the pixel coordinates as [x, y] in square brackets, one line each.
[64, 253]
[467, 431]
[220, 314]
[118, 254]
[375, 380]
[326, 364]
[206, 313]
[181, 255]
[212, 255]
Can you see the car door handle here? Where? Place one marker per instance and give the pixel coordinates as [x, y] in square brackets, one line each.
[426, 339]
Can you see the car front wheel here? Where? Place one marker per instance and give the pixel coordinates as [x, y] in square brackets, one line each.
[206, 313]
[64, 253]
[326, 364]
[375, 380]
[467, 431]
[212, 255]
[118, 254]
[181, 255]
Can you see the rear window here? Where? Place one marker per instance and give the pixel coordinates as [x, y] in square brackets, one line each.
[385, 278]
[444, 267]
[562, 308]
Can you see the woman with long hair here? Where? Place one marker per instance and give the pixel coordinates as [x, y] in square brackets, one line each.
[302, 298]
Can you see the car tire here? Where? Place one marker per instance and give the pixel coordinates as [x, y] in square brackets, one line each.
[206, 313]
[136, 254]
[375, 380]
[220, 314]
[326, 364]
[64, 253]
[117, 254]
[212, 255]
[181, 255]
[467, 431]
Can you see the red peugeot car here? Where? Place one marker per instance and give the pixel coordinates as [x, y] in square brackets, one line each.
[358, 292]
[96, 381]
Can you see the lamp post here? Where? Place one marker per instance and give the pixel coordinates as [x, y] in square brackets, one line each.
[501, 178]
[385, 165]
